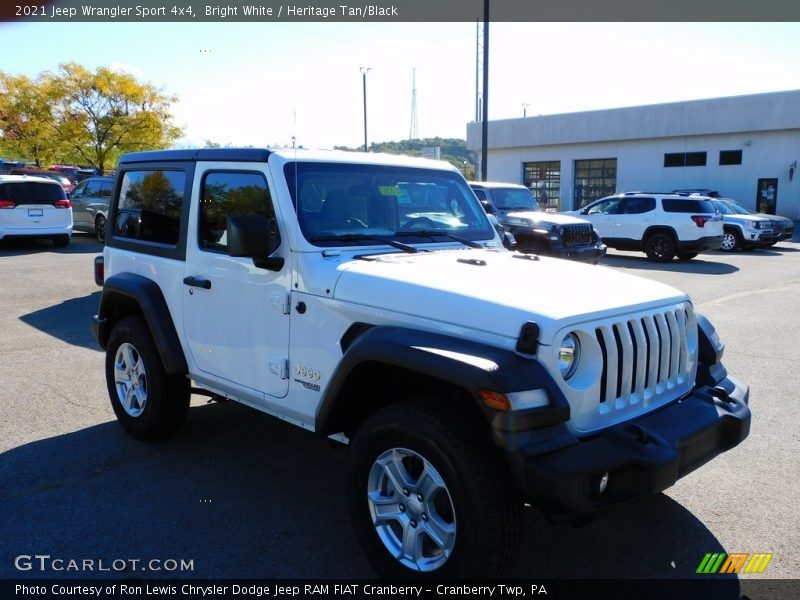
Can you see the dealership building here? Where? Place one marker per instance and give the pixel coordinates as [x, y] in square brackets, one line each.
[745, 147]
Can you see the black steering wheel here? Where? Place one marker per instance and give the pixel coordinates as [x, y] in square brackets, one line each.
[419, 223]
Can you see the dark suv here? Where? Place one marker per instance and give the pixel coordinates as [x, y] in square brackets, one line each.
[551, 234]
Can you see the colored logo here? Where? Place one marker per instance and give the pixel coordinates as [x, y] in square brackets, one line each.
[736, 562]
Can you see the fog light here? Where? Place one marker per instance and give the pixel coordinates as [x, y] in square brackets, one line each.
[603, 483]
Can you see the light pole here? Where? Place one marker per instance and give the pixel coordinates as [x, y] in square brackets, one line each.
[525, 106]
[364, 71]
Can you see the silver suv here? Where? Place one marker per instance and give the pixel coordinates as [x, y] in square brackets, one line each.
[661, 225]
[743, 229]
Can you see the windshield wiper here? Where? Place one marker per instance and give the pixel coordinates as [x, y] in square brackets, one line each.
[357, 237]
[435, 232]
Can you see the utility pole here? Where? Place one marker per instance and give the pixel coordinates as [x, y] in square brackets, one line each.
[364, 71]
[485, 115]
[413, 135]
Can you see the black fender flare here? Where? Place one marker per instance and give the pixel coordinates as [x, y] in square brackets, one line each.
[470, 365]
[127, 289]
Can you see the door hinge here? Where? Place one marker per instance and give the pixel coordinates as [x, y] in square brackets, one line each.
[280, 301]
[280, 367]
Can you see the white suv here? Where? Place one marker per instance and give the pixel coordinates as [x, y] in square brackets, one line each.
[661, 225]
[34, 207]
[367, 297]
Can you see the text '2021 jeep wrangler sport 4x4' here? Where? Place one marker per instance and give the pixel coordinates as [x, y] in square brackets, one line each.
[318, 287]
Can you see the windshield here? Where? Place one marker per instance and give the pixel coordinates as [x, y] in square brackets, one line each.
[514, 199]
[352, 204]
[739, 209]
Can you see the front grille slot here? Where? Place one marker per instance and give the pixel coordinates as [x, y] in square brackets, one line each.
[576, 235]
[642, 357]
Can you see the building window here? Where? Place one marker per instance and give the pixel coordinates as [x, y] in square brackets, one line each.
[594, 179]
[685, 159]
[730, 157]
[544, 180]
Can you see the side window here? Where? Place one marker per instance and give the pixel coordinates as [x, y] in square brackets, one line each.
[91, 189]
[106, 189]
[480, 194]
[150, 204]
[226, 194]
[637, 206]
[79, 191]
[607, 207]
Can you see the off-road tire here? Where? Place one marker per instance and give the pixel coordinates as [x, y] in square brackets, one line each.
[455, 442]
[157, 402]
[660, 247]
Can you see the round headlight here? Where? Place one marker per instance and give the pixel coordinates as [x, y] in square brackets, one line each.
[568, 355]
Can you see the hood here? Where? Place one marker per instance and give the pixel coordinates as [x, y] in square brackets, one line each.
[743, 218]
[540, 218]
[496, 292]
[772, 217]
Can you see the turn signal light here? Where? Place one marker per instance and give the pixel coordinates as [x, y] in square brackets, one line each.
[495, 400]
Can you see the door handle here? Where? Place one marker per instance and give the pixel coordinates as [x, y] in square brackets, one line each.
[197, 282]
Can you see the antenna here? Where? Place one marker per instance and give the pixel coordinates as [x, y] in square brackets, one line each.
[414, 134]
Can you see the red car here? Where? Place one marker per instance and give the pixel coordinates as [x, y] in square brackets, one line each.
[64, 180]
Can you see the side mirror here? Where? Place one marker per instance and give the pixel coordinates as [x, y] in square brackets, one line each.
[255, 237]
[487, 206]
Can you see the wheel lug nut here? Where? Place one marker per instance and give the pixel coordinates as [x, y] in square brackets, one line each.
[402, 508]
[406, 492]
[413, 523]
[420, 498]
[425, 517]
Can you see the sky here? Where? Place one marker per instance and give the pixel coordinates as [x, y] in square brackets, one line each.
[262, 84]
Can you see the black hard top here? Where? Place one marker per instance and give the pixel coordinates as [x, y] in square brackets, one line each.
[219, 154]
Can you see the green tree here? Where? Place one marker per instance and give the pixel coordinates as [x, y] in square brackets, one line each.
[80, 116]
[453, 150]
[103, 114]
[25, 117]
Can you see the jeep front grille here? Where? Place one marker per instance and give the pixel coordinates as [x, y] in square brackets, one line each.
[643, 357]
[631, 364]
[577, 235]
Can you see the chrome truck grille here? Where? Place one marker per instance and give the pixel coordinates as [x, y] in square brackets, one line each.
[631, 365]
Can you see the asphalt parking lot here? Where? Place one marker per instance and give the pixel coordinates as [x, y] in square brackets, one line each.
[242, 495]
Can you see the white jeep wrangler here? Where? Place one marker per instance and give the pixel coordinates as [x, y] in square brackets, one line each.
[367, 298]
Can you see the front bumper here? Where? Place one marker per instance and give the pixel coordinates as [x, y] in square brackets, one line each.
[587, 254]
[753, 238]
[642, 457]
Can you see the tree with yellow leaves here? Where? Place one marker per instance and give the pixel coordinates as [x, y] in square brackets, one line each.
[86, 117]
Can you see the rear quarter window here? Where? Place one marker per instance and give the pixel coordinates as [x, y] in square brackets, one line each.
[32, 192]
[150, 206]
[685, 205]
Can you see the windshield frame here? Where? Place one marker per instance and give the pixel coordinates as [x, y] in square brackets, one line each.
[383, 203]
